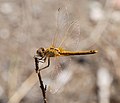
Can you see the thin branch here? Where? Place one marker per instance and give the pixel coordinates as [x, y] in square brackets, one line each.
[42, 86]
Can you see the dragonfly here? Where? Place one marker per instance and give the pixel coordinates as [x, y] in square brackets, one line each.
[43, 55]
[65, 43]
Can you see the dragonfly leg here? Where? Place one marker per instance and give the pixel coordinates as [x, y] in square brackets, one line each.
[46, 65]
[43, 60]
[40, 59]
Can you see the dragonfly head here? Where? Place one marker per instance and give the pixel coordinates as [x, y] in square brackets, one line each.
[41, 52]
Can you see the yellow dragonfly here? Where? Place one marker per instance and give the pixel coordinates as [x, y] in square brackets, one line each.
[68, 36]
[44, 54]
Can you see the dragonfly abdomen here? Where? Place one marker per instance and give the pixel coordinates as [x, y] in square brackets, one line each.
[68, 53]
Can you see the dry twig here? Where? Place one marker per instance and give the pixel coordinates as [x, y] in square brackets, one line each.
[42, 86]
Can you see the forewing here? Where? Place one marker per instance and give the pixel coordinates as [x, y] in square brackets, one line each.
[62, 22]
[68, 29]
[72, 35]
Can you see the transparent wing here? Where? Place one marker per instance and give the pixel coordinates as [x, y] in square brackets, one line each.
[72, 35]
[68, 30]
[58, 75]
[62, 21]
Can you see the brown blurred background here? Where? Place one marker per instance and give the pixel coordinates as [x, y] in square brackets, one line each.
[26, 25]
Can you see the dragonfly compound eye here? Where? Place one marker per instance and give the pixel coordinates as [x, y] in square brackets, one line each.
[42, 49]
[40, 52]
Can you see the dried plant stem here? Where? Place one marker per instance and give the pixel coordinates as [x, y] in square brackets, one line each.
[42, 86]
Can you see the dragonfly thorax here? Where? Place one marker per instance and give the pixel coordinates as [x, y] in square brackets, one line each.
[52, 52]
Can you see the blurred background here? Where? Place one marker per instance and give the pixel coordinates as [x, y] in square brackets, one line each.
[26, 25]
